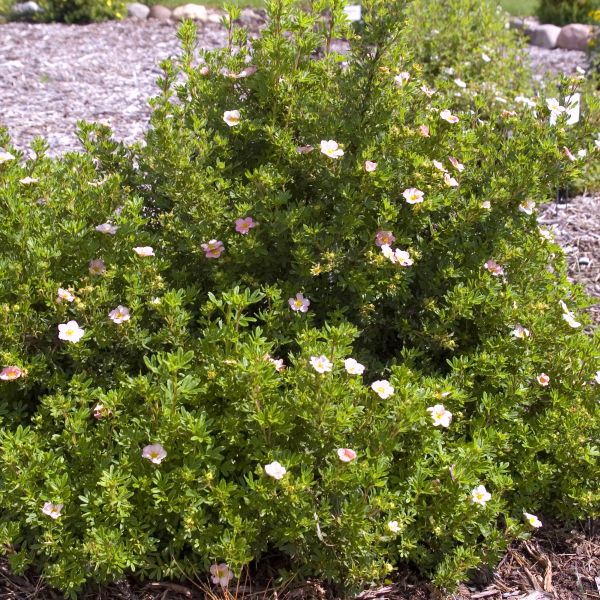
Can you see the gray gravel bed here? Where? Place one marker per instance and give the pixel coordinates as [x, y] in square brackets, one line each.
[51, 76]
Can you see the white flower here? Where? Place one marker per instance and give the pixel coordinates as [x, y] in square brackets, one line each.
[70, 332]
[439, 166]
[532, 520]
[520, 332]
[28, 180]
[597, 377]
[402, 78]
[119, 314]
[413, 195]
[486, 204]
[450, 181]
[480, 495]
[460, 83]
[448, 116]
[569, 317]
[5, 156]
[275, 470]
[221, 574]
[321, 364]
[144, 250]
[382, 388]
[52, 510]
[393, 526]
[154, 453]
[353, 367]
[554, 106]
[231, 117]
[485, 57]
[527, 207]
[402, 258]
[107, 228]
[65, 295]
[330, 148]
[441, 416]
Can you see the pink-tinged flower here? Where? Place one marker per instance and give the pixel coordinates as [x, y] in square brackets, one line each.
[275, 470]
[244, 225]
[52, 510]
[543, 379]
[154, 453]
[413, 195]
[494, 268]
[569, 154]
[448, 116]
[247, 72]
[370, 166]
[97, 267]
[299, 303]
[213, 248]
[527, 207]
[520, 332]
[204, 71]
[427, 91]
[402, 78]
[144, 251]
[70, 332]
[382, 388]
[5, 156]
[480, 495]
[221, 574]
[423, 131]
[439, 166]
[28, 180]
[457, 165]
[65, 295]
[532, 520]
[330, 148]
[441, 417]
[10, 373]
[402, 258]
[486, 204]
[276, 362]
[304, 149]
[384, 237]
[450, 181]
[346, 454]
[353, 367]
[107, 228]
[232, 117]
[100, 411]
[119, 315]
[321, 364]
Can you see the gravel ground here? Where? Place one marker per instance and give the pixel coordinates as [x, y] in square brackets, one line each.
[51, 76]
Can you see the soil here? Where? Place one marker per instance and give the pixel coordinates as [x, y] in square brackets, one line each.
[51, 76]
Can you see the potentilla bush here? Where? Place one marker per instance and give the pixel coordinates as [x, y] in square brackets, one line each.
[279, 329]
[82, 11]
[563, 12]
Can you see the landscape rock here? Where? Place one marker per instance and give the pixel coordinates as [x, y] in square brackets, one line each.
[523, 24]
[575, 37]
[215, 17]
[136, 10]
[250, 16]
[26, 9]
[159, 12]
[544, 36]
[197, 12]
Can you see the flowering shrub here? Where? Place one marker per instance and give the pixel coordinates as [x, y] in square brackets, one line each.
[563, 12]
[279, 328]
[82, 11]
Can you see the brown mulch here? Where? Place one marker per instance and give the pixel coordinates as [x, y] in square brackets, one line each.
[557, 563]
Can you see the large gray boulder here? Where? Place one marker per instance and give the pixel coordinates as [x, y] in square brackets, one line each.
[159, 12]
[575, 37]
[23, 10]
[136, 10]
[197, 12]
[544, 36]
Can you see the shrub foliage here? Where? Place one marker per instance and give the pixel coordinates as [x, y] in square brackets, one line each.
[142, 438]
[563, 12]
